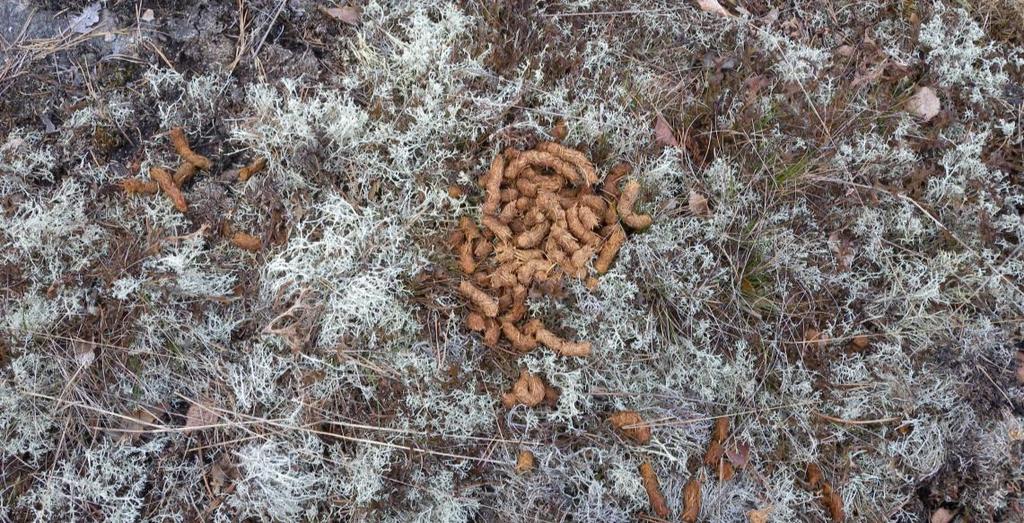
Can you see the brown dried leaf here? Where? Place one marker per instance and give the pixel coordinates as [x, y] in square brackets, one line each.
[698, 204]
[200, 415]
[663, 133]
[942, 515]
[738, 454]
[924, 104]
[348, 14]
[713, 7]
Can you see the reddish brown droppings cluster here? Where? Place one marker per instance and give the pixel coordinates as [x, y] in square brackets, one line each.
[541, 221]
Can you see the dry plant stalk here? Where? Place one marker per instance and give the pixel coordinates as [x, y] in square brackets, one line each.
[166, 182]
[631, 425]
[246, 242]
[254, 167]
[541, 222]
[180, 143]
[525, 462]
[691, 501]
[653, 488]
[528, 390]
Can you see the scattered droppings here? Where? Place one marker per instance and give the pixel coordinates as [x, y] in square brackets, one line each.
[632, 426]
[528, 390]
[827, 495]
[165, 180]
[650, 482]
[256, 166]
[180, 143]
[246, 242]
[691, 501]
[627, 214]
[525, 462]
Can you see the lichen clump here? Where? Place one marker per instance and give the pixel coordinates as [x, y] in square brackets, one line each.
[542, 219]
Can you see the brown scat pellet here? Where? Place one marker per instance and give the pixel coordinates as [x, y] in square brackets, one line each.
[610, 186]
[166, 182]
[537, 158]
[180, 143]
[610, 249]
[466, 262]
[520, 341]
[814, 477]
[639, 431]
[525, 462]
[578, 229]
[492, 186]
[492, 333]
[720, 429]
[528, 390]
[508, 213]
[560, 130]
[649, 480]
[691, 501]
[487, 305]
[533, 236]
[184, 173]
[137, 186]
[476, 322]
[500, 230]
[576, 158]
[561, 346]
[626, 207]
[588, 218]
[832, 502]
[246, 242]
[252, 168]
[483, 249]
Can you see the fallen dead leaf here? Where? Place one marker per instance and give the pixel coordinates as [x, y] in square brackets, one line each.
[199, 415]
[943, 515]
[348, 14]
[713, 7]
[698, 204]
[1020, 367]
[738, 454]
[84, 22]
[924, 104]
[663, 133]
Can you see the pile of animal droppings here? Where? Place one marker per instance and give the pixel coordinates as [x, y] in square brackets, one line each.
[543, 219]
